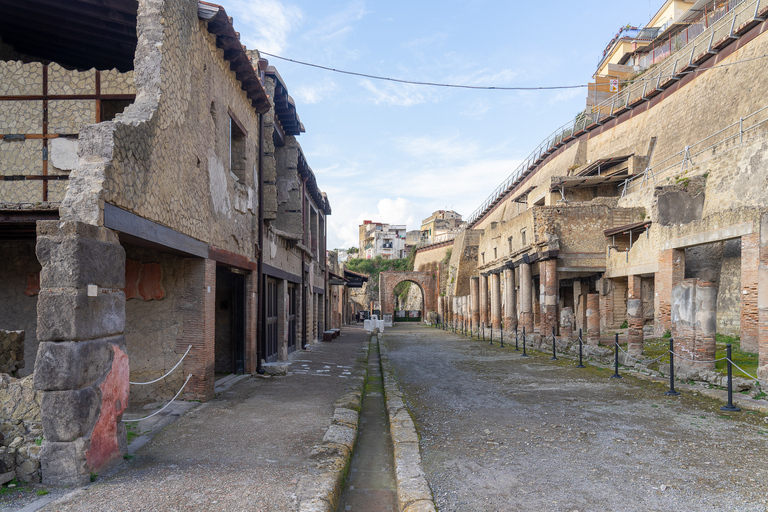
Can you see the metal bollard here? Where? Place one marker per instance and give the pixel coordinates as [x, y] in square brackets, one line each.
[524, 354]
[502, 338]
[581, 343]
[491, 342]
[483, 331]
[516, 349]
[671, 391]
[554, 350]
[616, 358]
[729, 406]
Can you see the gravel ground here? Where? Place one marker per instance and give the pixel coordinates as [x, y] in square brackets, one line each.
[500, 432]
[245, 450]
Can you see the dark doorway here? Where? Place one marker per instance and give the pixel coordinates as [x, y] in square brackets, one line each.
[230, 321]
[292, 306]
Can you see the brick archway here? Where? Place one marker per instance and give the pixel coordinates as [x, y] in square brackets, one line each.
[427, 281]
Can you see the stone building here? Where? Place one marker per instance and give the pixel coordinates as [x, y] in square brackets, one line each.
[605, 222]
[381, 239]
[440, 226]
[154, 202]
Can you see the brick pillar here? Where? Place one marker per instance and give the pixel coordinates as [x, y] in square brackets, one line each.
[199, 327]
[762, 301]
[671, 272]
[496, 301]
[635, 317]
[549, 297]
[694, 321]
[593, 318]
[510, 300]
[526, 298]
[251, 290]
[579, 306]
[474, 293]
[82, 363]
[483, 300]
[750, 263]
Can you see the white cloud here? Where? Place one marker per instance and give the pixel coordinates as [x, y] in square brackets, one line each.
[313, 93]
[403, 95]
[335, 26]
[264, 24]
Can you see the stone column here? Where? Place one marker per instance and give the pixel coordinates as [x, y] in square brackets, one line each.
[526, 298]
[474, 293]
[483, 300]
[510, 300]
[82, 363]
[496, 301]
[566, 323]
[549, 297]
[635, 316]
[580, 306]
[593, 318]
[440, 310]
[706, 323]
[671, 272]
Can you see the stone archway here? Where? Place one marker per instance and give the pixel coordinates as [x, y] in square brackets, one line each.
[427, 281]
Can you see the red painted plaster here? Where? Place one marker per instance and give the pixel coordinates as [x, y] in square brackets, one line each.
[114, 401]
[151, 282]
[132, 274]
[33, 284]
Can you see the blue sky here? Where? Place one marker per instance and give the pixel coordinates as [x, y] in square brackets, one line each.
[394, 152]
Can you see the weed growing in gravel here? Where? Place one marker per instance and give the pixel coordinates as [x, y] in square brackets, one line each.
[94, 476]
[42, 492]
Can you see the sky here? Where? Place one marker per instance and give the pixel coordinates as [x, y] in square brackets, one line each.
[394, 153]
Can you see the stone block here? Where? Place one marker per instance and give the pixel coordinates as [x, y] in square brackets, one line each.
[64, 463]
[68, 415]
[73, 316]
[73, 365]
[79, 261]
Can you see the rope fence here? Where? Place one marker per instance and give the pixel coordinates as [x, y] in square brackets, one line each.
[165, 406]
[167, 374]
[460, 328]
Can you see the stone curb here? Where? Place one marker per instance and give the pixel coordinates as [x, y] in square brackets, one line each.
[321, 489]
[413, 492]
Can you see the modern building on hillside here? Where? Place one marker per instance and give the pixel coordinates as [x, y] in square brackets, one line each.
[380, 239]
[155, 209]
[439, 226]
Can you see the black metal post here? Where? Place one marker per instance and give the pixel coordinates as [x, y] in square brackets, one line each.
[616, 358]
[554, 350]
[516, 349]
[491, 342]
[672, 390]
[729, 406]
[524, 354]
[502, 337]
[483, 331]
[581, 343]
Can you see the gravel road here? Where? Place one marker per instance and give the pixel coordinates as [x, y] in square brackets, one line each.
[500, 433]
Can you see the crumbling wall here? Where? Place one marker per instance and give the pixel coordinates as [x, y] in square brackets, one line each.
[21, 430]
[11, 351]
[463, 263]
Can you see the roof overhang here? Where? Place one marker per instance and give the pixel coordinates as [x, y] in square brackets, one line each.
[628, 228]
[285, 107]
[585, 181]
[603, 164]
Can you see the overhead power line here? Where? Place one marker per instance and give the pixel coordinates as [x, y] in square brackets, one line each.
[491, 87]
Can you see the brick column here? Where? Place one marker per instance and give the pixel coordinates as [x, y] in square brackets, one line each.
[496, 301]
[671, 272]
[549, 297]
[510, 300]
[579, 306]
[199, 327]
[82, 362]
[251, 290]
[706, 323]
[483, 300]
[474, 294]
[593, 318]
[635, 317]
[750, 263]
[694, 321]
[526, 298]
[762, 301]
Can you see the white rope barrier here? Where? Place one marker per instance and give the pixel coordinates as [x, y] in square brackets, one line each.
[745, 373]
[166, 405]
[696, 360]
[167, 374]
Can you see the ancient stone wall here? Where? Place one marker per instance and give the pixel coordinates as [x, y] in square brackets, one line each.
[21, 429]
[20, 282]
[463, 263]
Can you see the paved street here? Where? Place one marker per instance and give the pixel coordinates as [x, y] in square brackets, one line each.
[245, 450]
[500, 433]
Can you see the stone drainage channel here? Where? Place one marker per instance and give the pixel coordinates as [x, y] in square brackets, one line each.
[385, 473]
